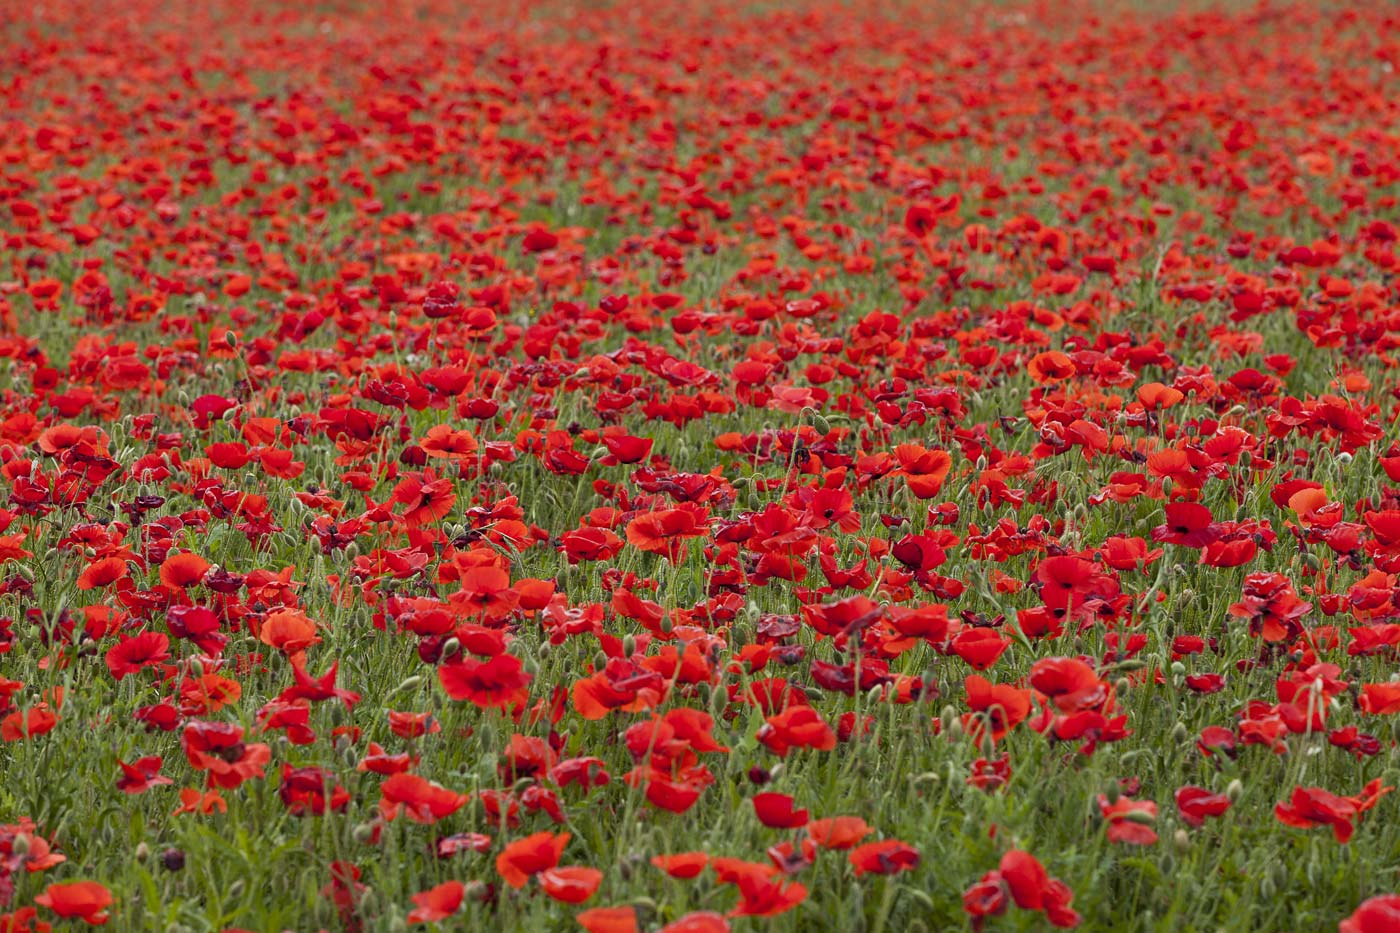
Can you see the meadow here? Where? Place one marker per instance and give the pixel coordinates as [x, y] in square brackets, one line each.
[682, 468]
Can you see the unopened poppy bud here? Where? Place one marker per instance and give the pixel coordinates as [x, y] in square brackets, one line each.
[1113, 791]
[1180, 734]
[476, 890]
[719, 702]
[231, 339]
[20, 845]
[408, 683]
[363, 833]
[821, 424]
[352, 551]
[1266, 888]
[666, 625]
[1140, 816]
[875, 694]
[1122, 684]
[196, 667]
[988, 747]
[600, 660]
[1312, 562]
[1182, 840]
[629, 645]
[1178, 669]
[1344, 458]
[143, 853]
[1235, 790]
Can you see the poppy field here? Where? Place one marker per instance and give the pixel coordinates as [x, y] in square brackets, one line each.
[681, 468]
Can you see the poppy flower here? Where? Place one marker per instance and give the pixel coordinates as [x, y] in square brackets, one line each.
[888, 857]
[499, 682]
[179, 571]
[570, 884]
[420, 800]
[87, 901]
[102, 573]
[437, 903]
[130, 655]
[776, 811]
[141, 775]
[608, 920]
[838, 832]
[529, 856]
[682, 864]
[1197, 803]
[1380, 914]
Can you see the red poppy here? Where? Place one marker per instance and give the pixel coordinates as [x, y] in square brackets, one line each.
[529, 856]
[83, 900]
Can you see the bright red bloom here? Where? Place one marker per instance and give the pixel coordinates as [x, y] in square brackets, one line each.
[530, 856]
[84, 900]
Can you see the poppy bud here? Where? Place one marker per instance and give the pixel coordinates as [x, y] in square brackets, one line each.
[1113, 792]
[1182, 840]
[397, 924]
[629, 644]
[719, 702]
[1235, 790]
[988, 747]
[143, 853]
[1178, 669]
[196, 667]
[821, 424]
[600, 660]
[231, 339]
[1180, 734]
[363, 833]
[408, 683]
[20, 845]
[1312, 562]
